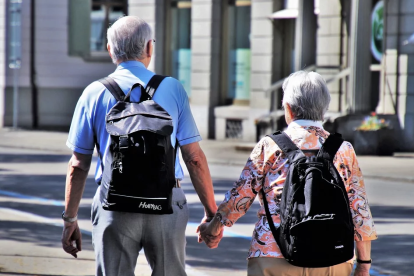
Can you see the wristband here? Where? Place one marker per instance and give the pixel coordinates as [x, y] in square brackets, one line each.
[364, 261]
[68, 219]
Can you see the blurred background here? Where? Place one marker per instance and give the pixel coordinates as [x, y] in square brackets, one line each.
[231, 56]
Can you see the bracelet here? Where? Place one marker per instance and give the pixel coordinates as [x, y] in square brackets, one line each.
[364, 261]
[68, 219]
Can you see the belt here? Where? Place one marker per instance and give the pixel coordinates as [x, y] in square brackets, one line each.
[177, 183]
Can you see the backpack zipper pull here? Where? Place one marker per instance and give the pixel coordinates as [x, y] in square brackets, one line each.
[120, 166]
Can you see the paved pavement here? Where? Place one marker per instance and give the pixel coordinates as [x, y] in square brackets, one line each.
[29, 243]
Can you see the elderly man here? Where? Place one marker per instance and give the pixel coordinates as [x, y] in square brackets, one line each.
[118, 237]
[306, 99]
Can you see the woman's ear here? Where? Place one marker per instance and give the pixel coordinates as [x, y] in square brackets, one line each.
[289, 116]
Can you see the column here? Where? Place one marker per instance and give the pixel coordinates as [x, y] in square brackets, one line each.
[360, 57]
[330, 48]
[205, 63]
[3, 60]
[305, 37]
[262, 51]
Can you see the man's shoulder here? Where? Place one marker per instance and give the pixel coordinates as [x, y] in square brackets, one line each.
[93, 89]
[171, 83]
[171, 88]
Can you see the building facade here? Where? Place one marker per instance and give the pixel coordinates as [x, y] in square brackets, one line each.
[230, 55]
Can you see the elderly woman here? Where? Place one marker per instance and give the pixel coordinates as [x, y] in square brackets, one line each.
[305, 101]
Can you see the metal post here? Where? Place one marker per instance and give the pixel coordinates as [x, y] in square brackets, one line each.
[15, 98]
[15, 26]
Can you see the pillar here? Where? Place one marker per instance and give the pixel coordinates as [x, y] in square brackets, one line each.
[360, 57]
[305, 37]
[262, 51]
[205, 63]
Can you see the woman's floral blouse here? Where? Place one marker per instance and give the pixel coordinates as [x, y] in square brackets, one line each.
[267, 168]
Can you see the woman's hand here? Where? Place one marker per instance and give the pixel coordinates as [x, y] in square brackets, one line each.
[210, 235]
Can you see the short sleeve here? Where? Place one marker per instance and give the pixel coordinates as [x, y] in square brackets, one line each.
[187, 131]
[81, 134]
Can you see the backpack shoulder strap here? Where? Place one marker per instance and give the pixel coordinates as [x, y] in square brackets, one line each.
[283, 141]
[113, 87]
[331, 146]
[287, 146]
[151, 87]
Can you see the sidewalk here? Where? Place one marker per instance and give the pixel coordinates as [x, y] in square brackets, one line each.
[399, 167]
[30, 255]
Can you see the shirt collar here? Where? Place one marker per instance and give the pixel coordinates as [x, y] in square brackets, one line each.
[305, 123]
[129, 64]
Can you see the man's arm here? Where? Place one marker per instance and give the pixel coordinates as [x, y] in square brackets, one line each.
[78, 169]
[196, 163]
[363, 252]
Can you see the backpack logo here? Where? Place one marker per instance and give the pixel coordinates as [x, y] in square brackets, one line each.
[339, 246]
[319, 217]
[150, 206]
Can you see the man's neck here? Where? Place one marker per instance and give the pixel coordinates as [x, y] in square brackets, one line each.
[143, 61]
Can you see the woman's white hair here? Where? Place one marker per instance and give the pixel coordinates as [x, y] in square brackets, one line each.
[127, 38]
[307, 95]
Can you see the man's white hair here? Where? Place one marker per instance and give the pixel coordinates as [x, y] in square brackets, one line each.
[127, 38]
[307, 95]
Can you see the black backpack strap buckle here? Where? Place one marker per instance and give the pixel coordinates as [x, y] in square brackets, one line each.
[123, 143]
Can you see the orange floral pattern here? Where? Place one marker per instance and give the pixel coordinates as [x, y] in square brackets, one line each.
[267, 168]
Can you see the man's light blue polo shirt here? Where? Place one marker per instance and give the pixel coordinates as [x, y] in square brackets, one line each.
[89, 118]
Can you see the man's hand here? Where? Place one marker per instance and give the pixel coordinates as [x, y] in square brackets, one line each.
[78, 168]
[204, 220]
[362, 269]
[70, 234]
[206, 234]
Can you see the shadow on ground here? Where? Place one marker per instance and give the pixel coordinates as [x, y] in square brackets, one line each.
[42, 186]
[37, 233]
[394, 254]
[33, 158]
[394, 212]
[230, 254]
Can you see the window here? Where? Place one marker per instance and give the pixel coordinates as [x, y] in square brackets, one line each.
[103, 14]
[236, 51]
[88, 22]
[180, 43]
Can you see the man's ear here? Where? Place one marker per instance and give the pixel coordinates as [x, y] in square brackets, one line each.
[150, 48]
[109, 49]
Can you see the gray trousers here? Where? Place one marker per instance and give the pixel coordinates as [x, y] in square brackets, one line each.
[118, 237]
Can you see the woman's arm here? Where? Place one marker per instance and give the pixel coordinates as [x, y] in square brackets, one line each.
[239, 199]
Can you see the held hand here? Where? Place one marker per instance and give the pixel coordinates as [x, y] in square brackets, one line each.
[204, 220]
[362, 269]
[70, 234]
[211, 239]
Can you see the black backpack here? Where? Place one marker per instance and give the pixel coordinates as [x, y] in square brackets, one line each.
[316, 228]
[139, 171]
